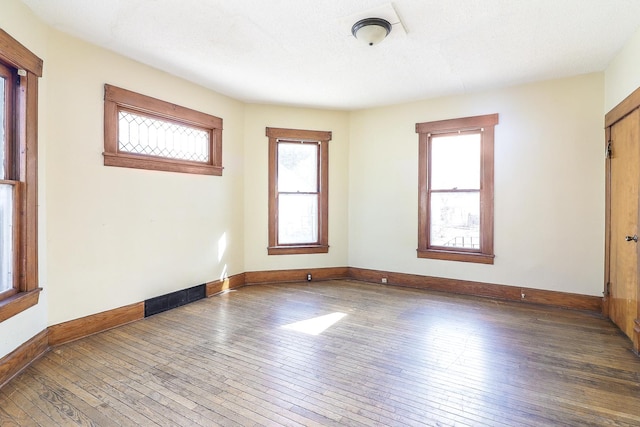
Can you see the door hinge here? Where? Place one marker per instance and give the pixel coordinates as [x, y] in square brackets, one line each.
[608, 151]
[607, 289]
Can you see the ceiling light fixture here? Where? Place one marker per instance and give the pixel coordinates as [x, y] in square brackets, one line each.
[371, 30]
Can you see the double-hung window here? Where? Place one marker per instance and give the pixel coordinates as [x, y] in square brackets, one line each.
[19, 72]
[298, 191]
[456, 189]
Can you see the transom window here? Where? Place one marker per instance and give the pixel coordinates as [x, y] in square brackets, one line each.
[146, 133]
[298, 185]
[456, 189]
[139, 134]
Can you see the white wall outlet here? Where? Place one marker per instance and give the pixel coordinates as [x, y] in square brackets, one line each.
[384, 280]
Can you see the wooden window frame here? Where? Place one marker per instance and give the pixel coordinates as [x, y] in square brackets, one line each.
[485, 125]
[24, 175]
[322, 138]
[117, 99]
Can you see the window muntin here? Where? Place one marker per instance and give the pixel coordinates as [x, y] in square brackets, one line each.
[146, 133]
[298, 185]
[456, 189]
[19, 73]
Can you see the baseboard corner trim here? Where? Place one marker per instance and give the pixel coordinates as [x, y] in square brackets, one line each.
[23, 356]
[228, 283]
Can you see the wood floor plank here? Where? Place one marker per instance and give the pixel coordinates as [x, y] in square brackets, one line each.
[6, 419]
[398, 357]
[80, 374]
[52, 403]
[17, 414]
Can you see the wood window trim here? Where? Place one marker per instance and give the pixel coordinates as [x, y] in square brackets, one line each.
[25, 151]
[17, 303]
[485, 122]
[323, 137]
[116, 99]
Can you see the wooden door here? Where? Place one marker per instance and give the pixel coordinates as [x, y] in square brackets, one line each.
[623, 188]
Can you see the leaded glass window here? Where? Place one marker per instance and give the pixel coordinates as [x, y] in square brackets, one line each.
[141, 134]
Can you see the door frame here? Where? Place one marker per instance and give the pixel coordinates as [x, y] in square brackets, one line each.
[620, 111]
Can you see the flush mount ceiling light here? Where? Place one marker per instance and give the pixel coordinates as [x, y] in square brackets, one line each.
[371, 30]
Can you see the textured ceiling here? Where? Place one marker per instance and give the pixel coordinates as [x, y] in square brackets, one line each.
[301, 52]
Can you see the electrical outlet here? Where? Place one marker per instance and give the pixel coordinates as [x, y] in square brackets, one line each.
[308, 277]
[384, 280]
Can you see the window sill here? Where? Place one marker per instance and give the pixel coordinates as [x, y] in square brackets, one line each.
[17, 303]
[299, 249]
[159, 164]
[456, 256]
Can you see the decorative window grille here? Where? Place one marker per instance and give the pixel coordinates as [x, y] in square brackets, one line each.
[140, 134]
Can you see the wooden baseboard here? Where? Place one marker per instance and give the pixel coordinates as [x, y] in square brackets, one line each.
[13, 363]
[503, 292]
[23, 356]
[605, 306]
[284, 276]
[79, 328]
[89, 325]
[233, 282]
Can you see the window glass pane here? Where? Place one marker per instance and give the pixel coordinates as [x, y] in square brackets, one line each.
[144, 135]
[297, 218]
[455, 220]
[3, 127]
[455, 162]
[6, 237]
[297, 167]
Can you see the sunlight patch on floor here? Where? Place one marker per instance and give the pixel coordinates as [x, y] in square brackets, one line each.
[316, 325]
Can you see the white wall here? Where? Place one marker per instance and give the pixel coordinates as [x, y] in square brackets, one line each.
[622, 76]
[259, 117]
[18, 21]
[549, 186]
[117, 235]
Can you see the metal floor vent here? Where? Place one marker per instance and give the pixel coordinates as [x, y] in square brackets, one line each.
[175, 299]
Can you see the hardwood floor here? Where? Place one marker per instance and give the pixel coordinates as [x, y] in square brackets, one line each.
[394, 356]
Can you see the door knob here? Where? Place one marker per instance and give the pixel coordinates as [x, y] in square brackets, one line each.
[630, 238]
